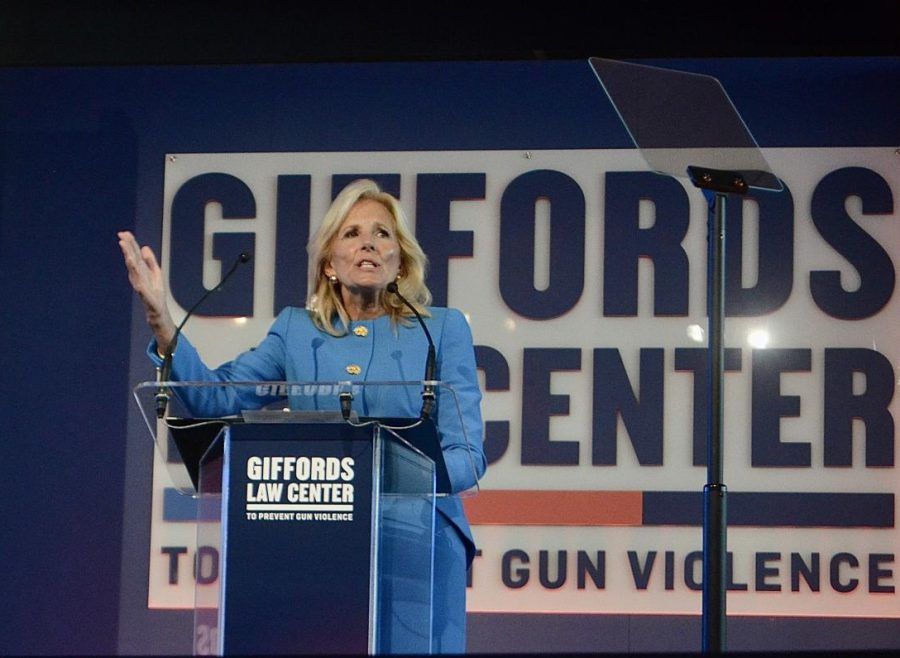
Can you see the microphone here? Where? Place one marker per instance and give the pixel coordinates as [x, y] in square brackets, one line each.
[346, 400]
[430, 362]
[162, 395]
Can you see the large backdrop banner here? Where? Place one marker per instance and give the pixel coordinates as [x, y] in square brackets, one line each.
[583, 277]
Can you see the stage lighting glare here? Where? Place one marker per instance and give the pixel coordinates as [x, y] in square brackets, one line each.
[758, 338]
[695, 333]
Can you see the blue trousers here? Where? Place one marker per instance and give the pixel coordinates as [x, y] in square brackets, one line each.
[404, 587]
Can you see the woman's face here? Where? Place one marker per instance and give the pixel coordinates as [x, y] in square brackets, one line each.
[365, 253]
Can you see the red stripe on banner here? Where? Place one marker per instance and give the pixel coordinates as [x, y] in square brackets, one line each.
[560, 508]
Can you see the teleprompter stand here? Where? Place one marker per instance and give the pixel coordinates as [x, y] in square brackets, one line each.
[322, 528]
[685, 125]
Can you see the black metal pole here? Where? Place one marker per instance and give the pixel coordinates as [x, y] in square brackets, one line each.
[715, 493]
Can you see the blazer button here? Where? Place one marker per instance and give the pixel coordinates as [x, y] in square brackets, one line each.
[361, 331]
[353, 369]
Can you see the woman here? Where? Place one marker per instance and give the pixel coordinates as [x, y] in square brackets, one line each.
[353, 326]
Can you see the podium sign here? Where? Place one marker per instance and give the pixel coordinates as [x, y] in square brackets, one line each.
[323, 531]
[297, 556]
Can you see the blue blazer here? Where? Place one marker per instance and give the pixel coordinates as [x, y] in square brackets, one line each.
[295, 350]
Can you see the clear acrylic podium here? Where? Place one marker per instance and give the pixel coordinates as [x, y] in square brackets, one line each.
[323, 529]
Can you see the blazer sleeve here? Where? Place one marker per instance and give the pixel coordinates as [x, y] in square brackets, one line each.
[262, 363]
[461, 428]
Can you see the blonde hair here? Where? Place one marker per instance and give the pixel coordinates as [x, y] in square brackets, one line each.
[324, 298]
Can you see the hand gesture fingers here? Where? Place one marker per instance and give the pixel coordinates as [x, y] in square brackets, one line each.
[143, 271]
[146, 278]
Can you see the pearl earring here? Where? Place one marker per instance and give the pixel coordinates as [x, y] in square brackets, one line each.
[333, 279]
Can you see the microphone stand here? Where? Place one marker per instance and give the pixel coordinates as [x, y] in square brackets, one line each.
[430, 361]
[165, 371]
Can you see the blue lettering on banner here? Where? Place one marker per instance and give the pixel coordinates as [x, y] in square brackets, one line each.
[292, 232]
[877, 574]
[205, 563]
[173, 552]
[641, 414]
[434, 194]
[772, 571]
[764, 571]
[595, 569]
[769, 406]
[692, 564]
[775, 255]
[539, 404]
[186, 260]
[614, 398]
[638, 403]
[517, 244]
[860, 249]
[641, 572]
[625, 243]
[808, 572]
[544, 569]
[514, 579]
[838, 582]
[695, 360]
[730, 583]
[842, 406]
[496, 378]
[515, 572]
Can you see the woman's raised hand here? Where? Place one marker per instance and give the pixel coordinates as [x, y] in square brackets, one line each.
[146, 278]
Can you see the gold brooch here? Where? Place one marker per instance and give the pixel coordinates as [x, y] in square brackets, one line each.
[353, 369]
[361, 331]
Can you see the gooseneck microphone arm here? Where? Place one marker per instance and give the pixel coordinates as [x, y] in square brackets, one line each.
[165, 371]
[430, 361]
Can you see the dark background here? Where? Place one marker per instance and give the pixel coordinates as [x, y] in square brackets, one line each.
[267, 31]
[73, 337]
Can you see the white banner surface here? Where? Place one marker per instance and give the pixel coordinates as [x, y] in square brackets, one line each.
[584, 280]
